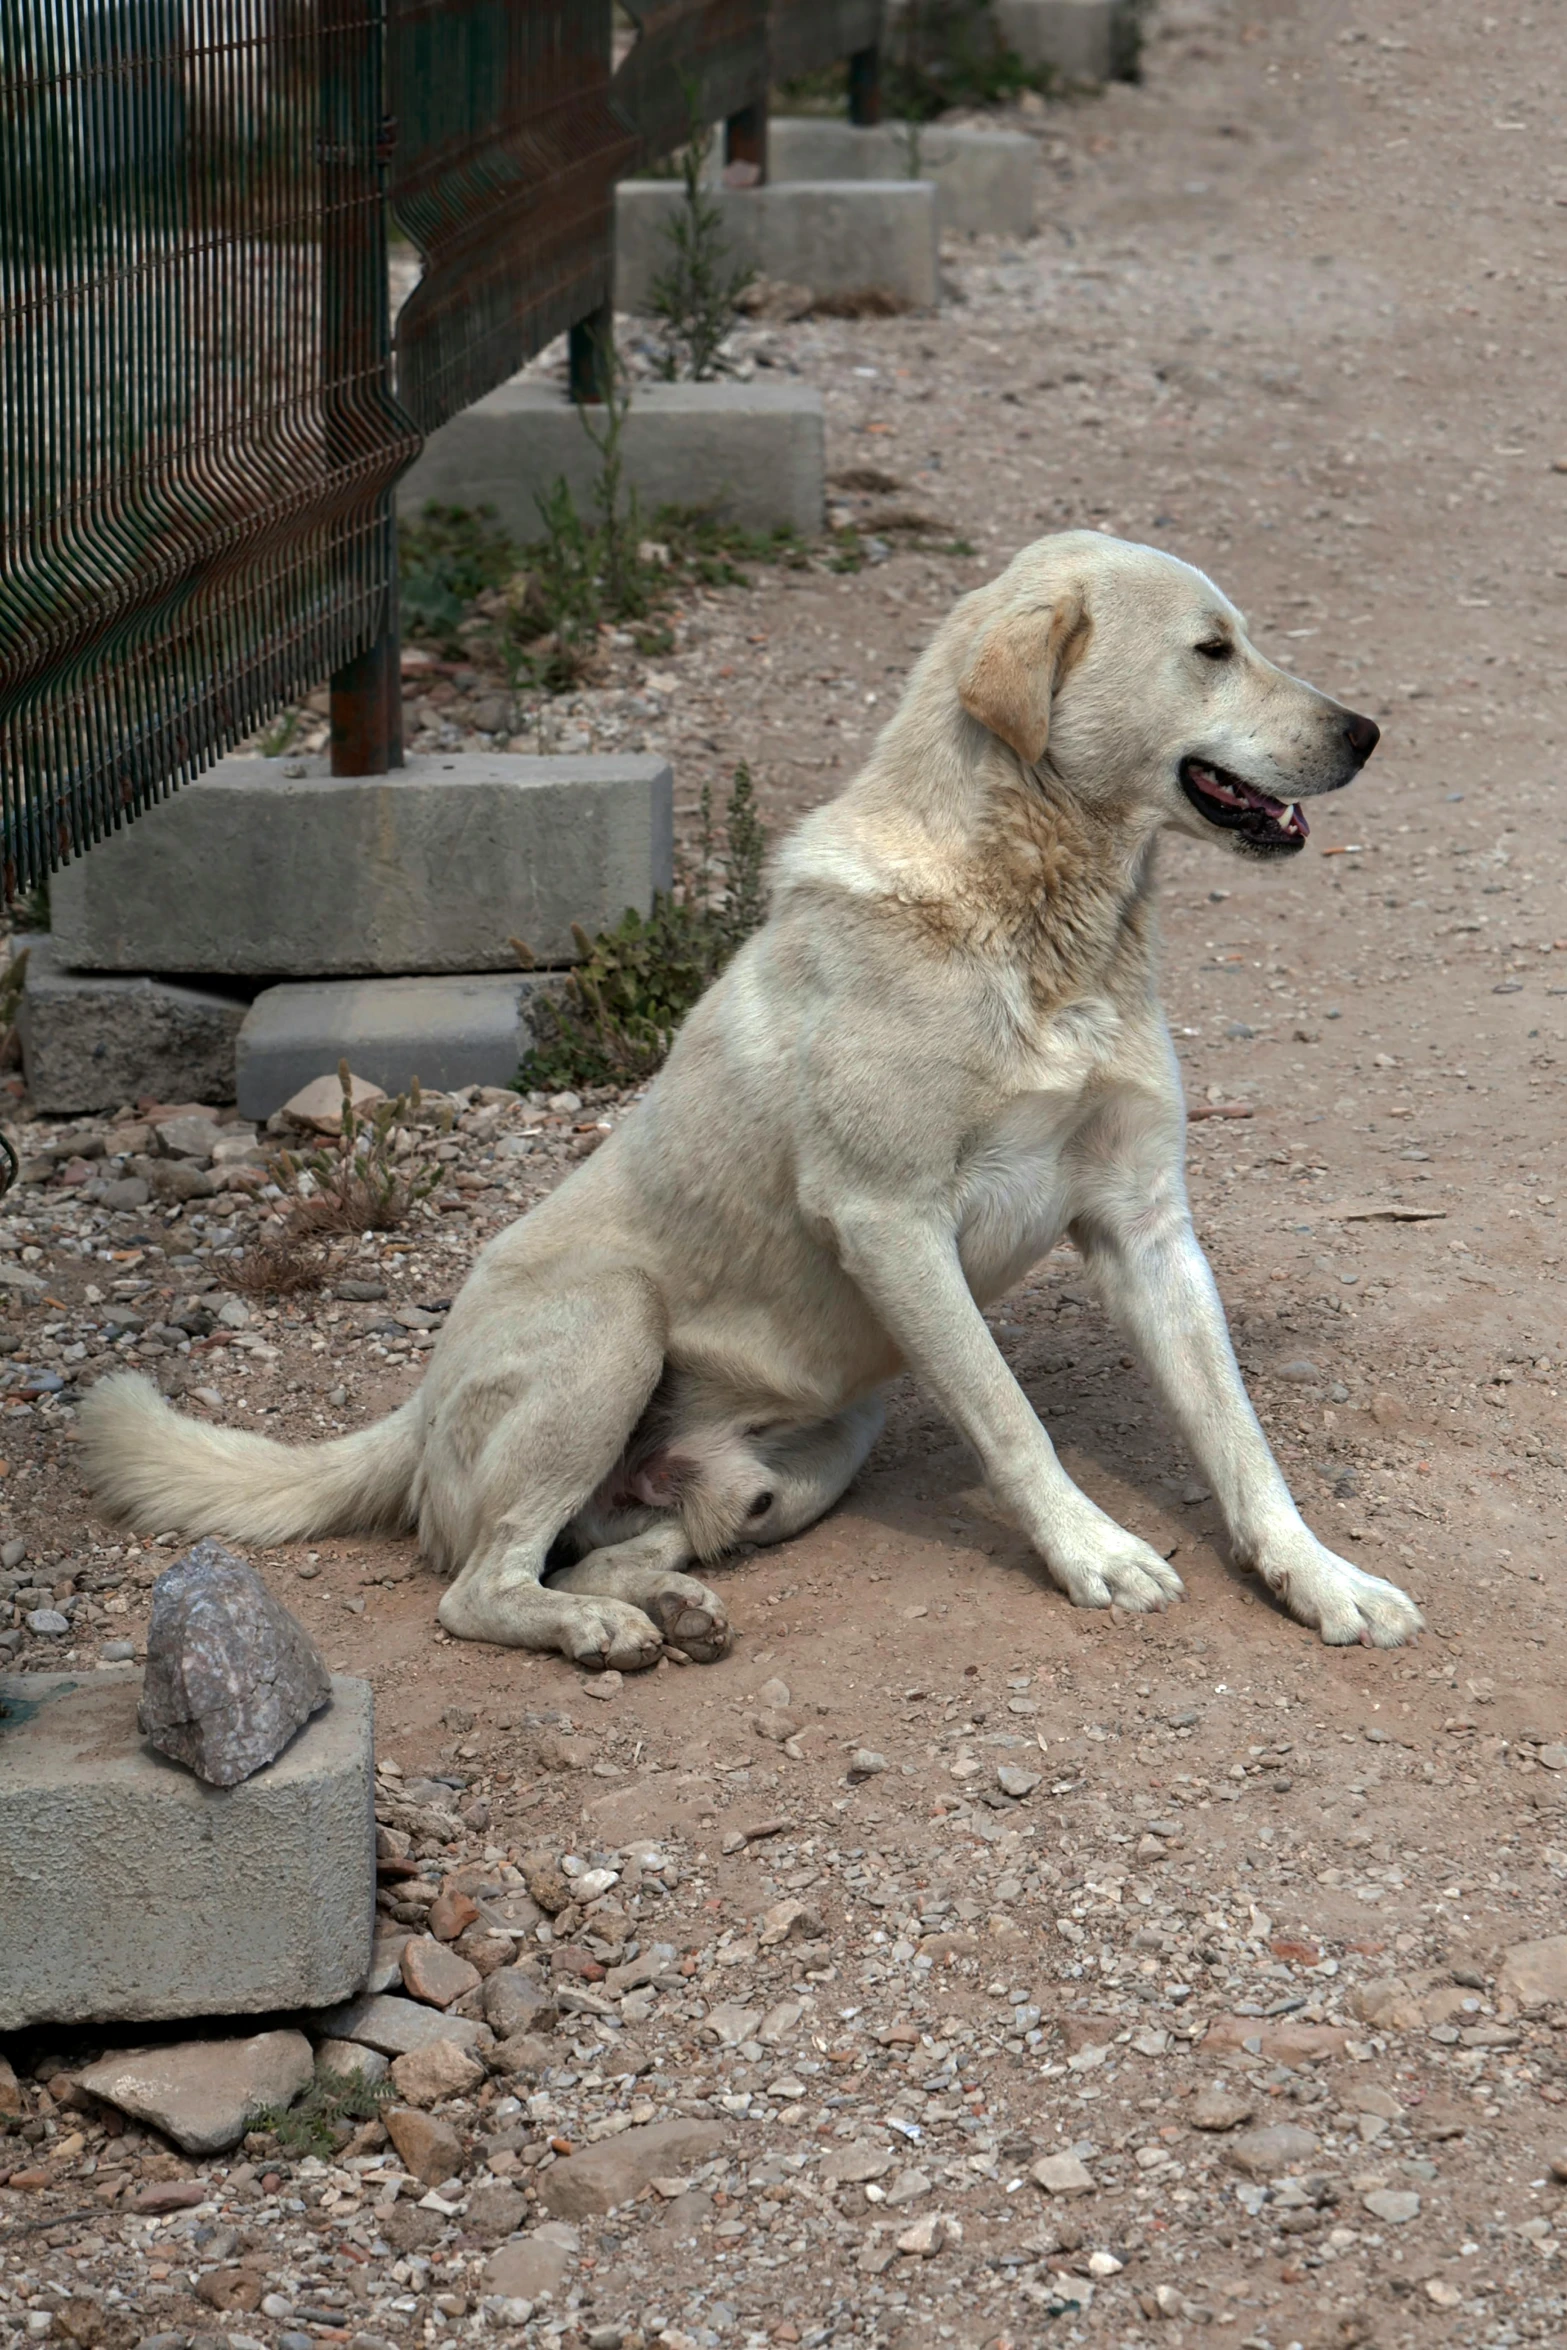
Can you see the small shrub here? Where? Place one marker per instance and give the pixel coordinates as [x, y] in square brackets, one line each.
[318, 2122]
[698, 295]
[357, 1185]
[624, 1000]
[447, 560]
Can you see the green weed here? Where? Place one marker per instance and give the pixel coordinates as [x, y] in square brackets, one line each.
[622, 1003]
[697, 296]
[317, 2122]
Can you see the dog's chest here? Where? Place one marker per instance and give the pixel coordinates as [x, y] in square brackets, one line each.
[1014, 1193]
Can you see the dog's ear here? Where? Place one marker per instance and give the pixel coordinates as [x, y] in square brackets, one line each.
[1017, 666]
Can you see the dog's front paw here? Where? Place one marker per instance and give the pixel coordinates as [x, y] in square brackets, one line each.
[1342, 1602]
[1119, 1571]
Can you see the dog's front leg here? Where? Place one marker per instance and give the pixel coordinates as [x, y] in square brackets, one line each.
[909, 1273]
[1156, 1281]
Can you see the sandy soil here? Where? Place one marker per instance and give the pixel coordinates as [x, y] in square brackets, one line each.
[1295, 311]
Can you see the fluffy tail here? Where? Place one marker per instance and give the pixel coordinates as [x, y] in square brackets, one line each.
[150, 1468]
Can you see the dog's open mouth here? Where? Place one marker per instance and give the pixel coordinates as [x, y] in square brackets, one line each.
[1225, 800]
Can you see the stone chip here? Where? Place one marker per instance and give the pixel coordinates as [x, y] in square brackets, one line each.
[231, 1675]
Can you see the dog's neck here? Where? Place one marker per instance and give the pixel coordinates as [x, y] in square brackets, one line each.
[1000, 861]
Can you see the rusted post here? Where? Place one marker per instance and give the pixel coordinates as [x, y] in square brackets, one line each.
[591, 356]
[356, 353]
[745, 138]
[865, 87]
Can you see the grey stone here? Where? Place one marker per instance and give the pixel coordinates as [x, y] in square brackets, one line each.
[204, 2094]
[513, 2002]
[347, 2060]
[1396, 2205]
[398, 2026]
[534, 2265]
[231, 1675]
[445, 1032]
[617, 2170]
[494, 2212]
[133, 1890]
[434, 867]
[48, 1623]
[839, 237]
[1062, 2174]
[1086, 40]
[1263, 2154]
[752, 453]
[852, 2165]
[90, 1043]
[984, 180]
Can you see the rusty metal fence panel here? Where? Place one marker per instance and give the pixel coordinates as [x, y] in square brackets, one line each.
[194, 433]
[803, 36]
[504, 169]
[198, 430]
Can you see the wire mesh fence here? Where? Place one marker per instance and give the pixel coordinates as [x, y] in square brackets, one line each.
[194, 425]
[198, 422]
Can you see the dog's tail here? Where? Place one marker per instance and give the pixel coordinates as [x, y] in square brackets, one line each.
[150, 1468]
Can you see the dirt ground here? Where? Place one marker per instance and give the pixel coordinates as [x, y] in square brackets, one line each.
[1295, 310]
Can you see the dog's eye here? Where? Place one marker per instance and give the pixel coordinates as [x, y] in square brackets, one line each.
[760, 1507]
[1217, 648]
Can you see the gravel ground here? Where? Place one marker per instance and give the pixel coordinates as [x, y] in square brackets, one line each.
[1124, 1892]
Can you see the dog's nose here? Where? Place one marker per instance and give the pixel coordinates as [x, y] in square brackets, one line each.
[1362, 735]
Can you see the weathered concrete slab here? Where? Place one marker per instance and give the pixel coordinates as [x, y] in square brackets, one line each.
[838, 237]
[446, 1032]
[130, 1890]
[432, 868]
[90, 1042]
[984, 180]
[1086, 40]
[752, 453]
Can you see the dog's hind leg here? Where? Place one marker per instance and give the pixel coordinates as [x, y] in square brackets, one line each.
[515, 1451]
[645, 1570]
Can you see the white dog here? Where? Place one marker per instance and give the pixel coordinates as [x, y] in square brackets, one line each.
[943, 1051]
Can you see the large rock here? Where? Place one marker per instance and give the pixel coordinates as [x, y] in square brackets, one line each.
[129, 1889]
[1264, 2154]
[1534, 1974]
[429, 2149]
[231, 1675]
[534, 2265]
[619, 2169]
[258, 874]
[204, 2094]
[92, 1042]
[426, 2076]
[396, 2026]
[514, 2002]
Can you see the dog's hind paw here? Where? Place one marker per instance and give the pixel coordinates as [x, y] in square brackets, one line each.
[690, 1617]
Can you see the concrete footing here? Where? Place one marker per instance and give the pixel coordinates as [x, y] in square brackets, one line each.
[842, 238]
[130, 1890]
[260, 874]
[446, 1032]
[1086, 40]
[752, 454]
[93, 1041]
[984, 180]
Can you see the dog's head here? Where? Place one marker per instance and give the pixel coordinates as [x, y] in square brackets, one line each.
[1131, 678]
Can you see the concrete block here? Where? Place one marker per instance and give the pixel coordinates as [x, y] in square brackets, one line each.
[130, 1890]
[431, 868]
[984, 180]
[90, 1042]
[753, 453]
[446, 1032]
[835, 236]
[1086, 40]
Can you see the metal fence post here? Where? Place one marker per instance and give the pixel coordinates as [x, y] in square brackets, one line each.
[745, 138]
[356, 351]
[865, 87]
[590, 357]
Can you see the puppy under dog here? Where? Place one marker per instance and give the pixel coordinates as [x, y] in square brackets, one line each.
[943, 1051]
